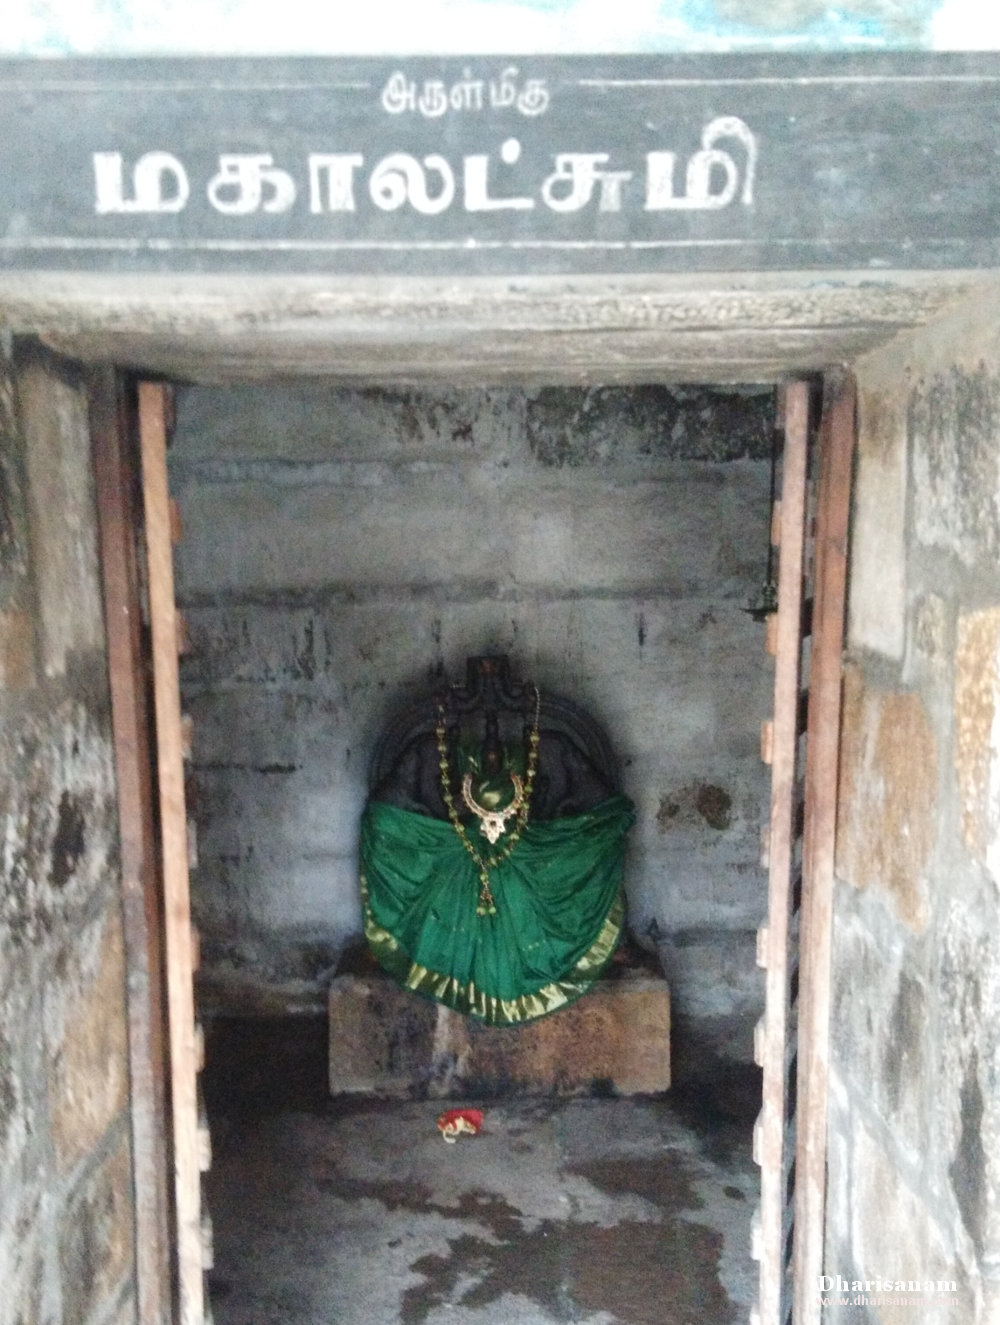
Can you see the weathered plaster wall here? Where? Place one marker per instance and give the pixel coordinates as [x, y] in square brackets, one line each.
[66, 1252]
[914, 1165]
[504, 27]
[343, 547]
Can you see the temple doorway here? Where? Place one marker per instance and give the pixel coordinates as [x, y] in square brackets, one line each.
[276, 646]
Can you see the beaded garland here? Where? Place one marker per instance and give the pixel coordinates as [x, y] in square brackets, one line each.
[487, 904]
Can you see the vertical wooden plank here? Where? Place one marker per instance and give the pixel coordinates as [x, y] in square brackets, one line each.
[119, 519]
[771, 1131]
[153, 413]
[832, 518]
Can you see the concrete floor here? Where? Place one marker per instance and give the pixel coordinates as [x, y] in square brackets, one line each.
[561, 1212]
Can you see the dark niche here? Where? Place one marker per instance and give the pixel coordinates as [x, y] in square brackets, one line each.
[495, 712]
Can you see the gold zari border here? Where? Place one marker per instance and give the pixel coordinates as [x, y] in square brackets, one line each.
[486, 1007]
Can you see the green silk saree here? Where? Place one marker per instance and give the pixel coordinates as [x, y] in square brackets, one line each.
[560, 909]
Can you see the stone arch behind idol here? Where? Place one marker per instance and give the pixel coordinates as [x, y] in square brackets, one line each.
[577, 768]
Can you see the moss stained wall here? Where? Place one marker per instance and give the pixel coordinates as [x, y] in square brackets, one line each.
[915, 1107]
[66, 1201]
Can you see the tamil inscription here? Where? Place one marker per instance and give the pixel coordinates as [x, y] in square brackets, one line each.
[483, 166]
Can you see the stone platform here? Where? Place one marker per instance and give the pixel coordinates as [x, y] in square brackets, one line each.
[385, 1041]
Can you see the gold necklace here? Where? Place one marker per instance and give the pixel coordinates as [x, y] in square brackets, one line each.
[493, 822]
[519, 807]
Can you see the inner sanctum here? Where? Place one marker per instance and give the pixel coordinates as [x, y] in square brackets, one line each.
[346, 552]
[361, 569]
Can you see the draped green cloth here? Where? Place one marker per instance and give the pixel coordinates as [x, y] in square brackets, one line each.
[559, 909]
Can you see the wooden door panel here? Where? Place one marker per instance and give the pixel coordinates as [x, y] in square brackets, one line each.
[806, 638]
[776, 1039]
[192, 1234]
[116, 470]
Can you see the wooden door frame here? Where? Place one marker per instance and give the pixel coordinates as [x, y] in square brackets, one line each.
[179, 944]
[790, 1138]
[168, 1225]
[137, 531]
[114, 448]
[834, 484]
[780, 745]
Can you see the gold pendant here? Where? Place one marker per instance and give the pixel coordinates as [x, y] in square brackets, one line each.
[493, 823]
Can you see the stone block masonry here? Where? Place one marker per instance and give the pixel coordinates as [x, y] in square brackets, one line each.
[977, 734]
[66, 1197]
[888, 795]
[343, 549]
[915, 1054]
[384, 1041]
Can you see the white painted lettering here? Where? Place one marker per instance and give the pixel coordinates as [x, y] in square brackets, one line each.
[712, 179]
[702, 167]
[722, 172]
[433, 100]
[503, 90]
[338, 169]
[467, 94]
[400, 178]
[399, 94]
[239, 187]
[729, 126]
[159, 184]
[571, 185]
[476, 182]
[534, 100]
[660, 168]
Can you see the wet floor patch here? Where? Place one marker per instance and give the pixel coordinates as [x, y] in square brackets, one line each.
[641, 1273]
[560, 1213]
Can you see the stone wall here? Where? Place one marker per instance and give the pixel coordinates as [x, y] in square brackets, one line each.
[915, 1101]
[66, 1203]
[344, 548]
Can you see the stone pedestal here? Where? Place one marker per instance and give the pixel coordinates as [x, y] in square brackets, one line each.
[387, 1042]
